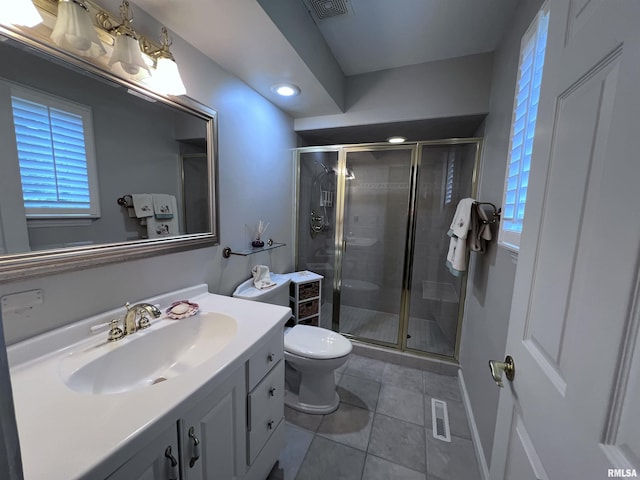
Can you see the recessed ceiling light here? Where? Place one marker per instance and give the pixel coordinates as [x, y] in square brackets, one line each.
[397, 139]
[286, 89]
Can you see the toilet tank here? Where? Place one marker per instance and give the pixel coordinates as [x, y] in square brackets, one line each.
[276, 295]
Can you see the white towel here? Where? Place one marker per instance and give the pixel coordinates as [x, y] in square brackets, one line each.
[458, 231]
[164, 227]
[163, 205]
[461, 222]
[457, 256]
[261, 277]
[142, 204]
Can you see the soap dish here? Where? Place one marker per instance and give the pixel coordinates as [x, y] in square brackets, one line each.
[182, 309]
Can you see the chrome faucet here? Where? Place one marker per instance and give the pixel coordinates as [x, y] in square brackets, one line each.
[139, 310]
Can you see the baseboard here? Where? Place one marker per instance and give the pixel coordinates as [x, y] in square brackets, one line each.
[482, 462]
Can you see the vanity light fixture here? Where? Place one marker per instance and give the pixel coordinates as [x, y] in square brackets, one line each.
[21, 12]
[397, 139]
[286, 89]
[74, 29]
[165, 77]
[126, 50]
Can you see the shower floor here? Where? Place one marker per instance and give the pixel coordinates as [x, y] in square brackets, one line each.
[426, 335]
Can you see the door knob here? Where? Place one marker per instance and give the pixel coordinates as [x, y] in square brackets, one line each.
[508, 367]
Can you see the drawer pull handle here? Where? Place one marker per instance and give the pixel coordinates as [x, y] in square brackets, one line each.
[271, 357]
[270, 425]
[173, 463]
[272, 391]
[196, 447]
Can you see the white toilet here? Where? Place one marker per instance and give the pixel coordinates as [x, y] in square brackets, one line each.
[311, 353]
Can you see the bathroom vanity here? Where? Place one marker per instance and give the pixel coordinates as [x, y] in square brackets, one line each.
[197, 398]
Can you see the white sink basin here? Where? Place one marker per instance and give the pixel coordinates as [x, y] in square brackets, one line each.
[165, 350]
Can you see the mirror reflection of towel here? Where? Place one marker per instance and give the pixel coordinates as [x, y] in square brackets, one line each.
[164, 227]
[142, 204]
[163, 205]
[261, 277]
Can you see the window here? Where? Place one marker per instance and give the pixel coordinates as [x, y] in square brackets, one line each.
[54, 140]
[523, 126]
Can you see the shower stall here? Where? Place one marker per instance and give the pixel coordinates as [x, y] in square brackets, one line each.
[373, 220]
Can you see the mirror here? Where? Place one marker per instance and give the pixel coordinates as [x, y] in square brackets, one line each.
[144, 144]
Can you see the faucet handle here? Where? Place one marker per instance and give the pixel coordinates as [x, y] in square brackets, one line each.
[115, 332]
[144, 322]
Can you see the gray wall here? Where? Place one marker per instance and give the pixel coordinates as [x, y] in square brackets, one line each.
[446, 88]
[490, 283]
[255, 182]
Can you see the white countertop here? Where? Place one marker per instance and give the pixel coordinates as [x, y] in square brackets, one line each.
[69, 435]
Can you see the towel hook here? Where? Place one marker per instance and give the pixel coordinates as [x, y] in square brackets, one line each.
[495, 214]
[125, 201]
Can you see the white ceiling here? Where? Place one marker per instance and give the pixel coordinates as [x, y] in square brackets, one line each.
[375, 35]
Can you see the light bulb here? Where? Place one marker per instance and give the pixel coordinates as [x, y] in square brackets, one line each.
[21, 12]
[127, 53]
[74, 30]
[166, 78]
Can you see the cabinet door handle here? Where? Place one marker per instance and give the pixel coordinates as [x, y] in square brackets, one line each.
[272, 391]
[270, 424]
[173, 463]
[271, 357]
[196, 447]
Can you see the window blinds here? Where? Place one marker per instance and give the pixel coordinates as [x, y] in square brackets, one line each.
[523, 127]
[53, 158]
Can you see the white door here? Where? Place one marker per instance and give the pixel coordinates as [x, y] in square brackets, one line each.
[573, 409]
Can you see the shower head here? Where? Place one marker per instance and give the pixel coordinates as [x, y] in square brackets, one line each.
[325, 168]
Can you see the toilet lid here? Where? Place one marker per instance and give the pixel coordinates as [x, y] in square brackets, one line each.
[315, 342]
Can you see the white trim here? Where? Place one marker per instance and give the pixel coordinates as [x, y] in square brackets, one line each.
[475, 435]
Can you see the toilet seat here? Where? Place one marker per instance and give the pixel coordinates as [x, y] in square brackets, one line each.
[315, 342]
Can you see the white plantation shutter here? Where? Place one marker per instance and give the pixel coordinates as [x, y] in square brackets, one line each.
[523, 125]
[56, 156]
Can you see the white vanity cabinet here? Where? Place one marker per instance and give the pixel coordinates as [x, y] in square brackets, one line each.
[157, 461]
[235, 432]
[206, 443]
[218, 415]
[265, 407]
[212, 434]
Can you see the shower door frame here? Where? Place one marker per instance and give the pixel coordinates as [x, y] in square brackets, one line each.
[407, 273]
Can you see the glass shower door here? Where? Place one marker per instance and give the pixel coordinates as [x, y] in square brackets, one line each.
[445, 177]
[375, 220]
[317, 198]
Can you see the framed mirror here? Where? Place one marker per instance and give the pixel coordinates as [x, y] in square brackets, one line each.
[151, 189]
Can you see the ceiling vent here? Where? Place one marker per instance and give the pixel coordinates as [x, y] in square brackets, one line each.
[322, 9]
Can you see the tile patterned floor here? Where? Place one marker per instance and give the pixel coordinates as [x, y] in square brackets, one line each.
[381, 431]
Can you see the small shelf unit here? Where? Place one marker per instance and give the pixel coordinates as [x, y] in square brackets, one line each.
[305, 297]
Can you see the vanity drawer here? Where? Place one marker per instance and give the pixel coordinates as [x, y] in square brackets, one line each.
[265, 410]
[271, 352]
